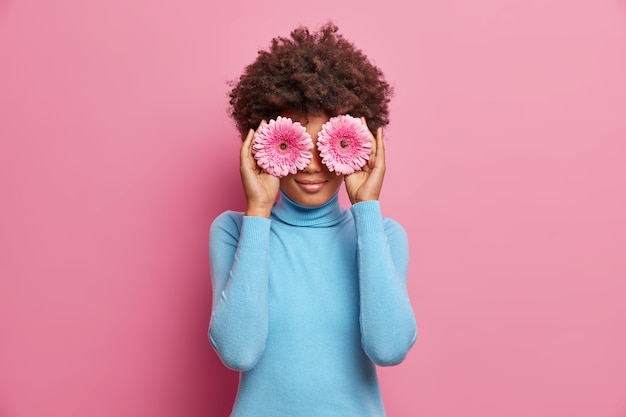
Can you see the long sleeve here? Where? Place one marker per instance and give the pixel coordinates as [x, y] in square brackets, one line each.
[388, 327]
[239, 257]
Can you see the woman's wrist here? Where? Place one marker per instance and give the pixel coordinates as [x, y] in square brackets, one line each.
[259, 211]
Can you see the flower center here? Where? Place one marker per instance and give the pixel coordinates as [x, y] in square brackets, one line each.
[343, 143]
[283, 146]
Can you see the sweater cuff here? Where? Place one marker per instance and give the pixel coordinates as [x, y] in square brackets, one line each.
[255, 232]
[368, 217]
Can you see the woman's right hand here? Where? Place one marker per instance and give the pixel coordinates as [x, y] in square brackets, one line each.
[259, 187]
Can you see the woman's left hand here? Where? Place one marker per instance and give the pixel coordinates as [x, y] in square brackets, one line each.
[367, 183]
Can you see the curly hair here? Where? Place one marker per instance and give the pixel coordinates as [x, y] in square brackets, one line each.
[310, 74]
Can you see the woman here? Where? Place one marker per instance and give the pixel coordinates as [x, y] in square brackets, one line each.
[308, 297]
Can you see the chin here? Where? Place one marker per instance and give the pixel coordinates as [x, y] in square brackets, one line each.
[308, 200]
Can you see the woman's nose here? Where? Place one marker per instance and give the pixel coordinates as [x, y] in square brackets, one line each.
[315, 165]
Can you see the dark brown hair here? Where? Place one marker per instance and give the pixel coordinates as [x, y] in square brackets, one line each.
[310, 73]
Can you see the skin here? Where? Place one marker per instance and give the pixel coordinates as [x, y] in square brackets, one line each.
[315, 184]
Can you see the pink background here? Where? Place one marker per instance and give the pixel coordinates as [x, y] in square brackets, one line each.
[506, 160]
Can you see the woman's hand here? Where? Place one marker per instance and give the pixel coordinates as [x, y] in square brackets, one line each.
[367, 183]
[260, 188]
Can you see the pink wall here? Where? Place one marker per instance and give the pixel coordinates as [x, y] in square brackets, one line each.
[506, 166]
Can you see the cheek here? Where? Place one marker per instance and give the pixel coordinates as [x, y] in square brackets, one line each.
[335, 180]
[285, 182]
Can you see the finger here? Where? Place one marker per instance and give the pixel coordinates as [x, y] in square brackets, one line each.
[246, 146]
[380, 148]
[372, 156]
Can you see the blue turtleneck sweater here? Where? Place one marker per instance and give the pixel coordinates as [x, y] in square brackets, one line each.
[306, 303]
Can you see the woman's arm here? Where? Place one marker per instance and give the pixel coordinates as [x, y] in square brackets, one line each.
[239, 255]
[239, 249]
[388, 328]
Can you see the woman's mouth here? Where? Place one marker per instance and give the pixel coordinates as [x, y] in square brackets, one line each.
[310, 186]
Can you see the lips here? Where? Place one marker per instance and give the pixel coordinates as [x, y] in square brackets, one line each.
[311, 186]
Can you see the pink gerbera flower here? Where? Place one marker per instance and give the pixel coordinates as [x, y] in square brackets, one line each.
[282, 147]
[344, 144]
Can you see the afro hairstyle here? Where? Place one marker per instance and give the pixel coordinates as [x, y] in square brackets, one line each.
[310, 73]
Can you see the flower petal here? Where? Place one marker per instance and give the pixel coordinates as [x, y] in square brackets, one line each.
[282, 146]
[344, 144]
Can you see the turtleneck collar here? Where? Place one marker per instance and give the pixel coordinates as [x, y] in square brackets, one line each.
[326, 215]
